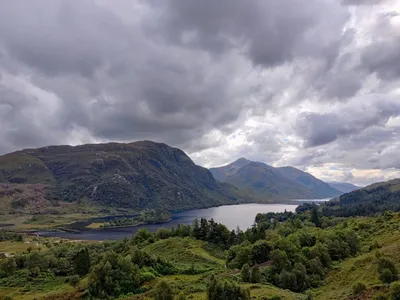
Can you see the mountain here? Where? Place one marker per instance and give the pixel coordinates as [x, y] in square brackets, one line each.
[221, 173]
[134, 175]
[262, 181]
[319, 189]
[343, 186]
[375, 198]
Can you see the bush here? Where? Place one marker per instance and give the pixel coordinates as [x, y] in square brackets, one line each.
[245, 273]
[387, 270]
[387, 276]
[73, 280]
[380, 296]
[395, 291]
[358, 288]
[147, 276]
[255, 276]
[163, 291]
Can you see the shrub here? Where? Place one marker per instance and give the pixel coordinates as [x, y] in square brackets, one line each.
[386, 276]
[395, 291]
[163, 291]
[255, 275]
[387, 270]
[245, 273]
[147, 276]
[358, 288]
[380, 296]
[73, 280]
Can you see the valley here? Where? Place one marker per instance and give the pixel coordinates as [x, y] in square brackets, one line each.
[141, 220]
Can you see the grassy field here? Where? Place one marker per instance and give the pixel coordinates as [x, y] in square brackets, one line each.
[190, 252]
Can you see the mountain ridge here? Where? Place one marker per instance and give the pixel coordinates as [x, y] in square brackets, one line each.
[262, 180]
[344, 187]
[133, 175]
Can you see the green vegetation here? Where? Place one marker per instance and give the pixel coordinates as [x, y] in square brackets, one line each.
[376, 198]
[121, 176]
[146, 217]
[287, 255]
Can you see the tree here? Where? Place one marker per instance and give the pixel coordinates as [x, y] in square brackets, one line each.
[255, 276]
[387, 270]
[82, 262]
[315, 217]
[9, 266]
[163, 291]
[113, 275]
[280, 261]
[224, 290]
[245, 273]
[260, 251]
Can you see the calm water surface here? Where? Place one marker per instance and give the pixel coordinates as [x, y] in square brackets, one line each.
[232, 216]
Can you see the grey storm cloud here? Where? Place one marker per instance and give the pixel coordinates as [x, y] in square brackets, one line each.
[322, 128]
[195, 73]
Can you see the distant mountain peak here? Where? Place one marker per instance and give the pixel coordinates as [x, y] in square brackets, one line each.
[344, 187]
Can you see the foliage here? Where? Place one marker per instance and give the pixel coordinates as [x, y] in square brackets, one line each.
[387, 270]
[225, 290]
[245, 273]
[163, 291]
[113, 275]
[395, 291]
[255, 276]
[358, 288]
[82, 262]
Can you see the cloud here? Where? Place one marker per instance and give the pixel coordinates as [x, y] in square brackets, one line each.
[281, 81]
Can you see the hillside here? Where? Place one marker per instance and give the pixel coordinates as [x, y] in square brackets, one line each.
[262, 181]
[344, 187]
[372, 199]
[135, 175]
[319, 189]
[221, 173]
[265, 182]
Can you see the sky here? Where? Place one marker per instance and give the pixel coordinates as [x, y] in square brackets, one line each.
[313, 84]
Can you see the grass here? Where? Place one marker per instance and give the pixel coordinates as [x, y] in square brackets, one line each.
[31, 222]
[184, 252]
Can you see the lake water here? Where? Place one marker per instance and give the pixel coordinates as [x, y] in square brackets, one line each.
[232, 216]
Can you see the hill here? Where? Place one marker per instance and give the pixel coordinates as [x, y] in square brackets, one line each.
[262, 181]
[134, 175]
[344, 187]
[370, 200]
[319, 189]
[221, 173]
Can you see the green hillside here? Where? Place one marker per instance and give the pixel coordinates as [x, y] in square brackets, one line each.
[370, 200]
[135, 175]
[298, 257]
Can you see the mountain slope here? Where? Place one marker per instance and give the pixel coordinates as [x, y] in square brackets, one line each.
[134, 175]
[377, 197]
[343, 186]
[262, 181]
[221, 173]
[265, 182]
[319, 189]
